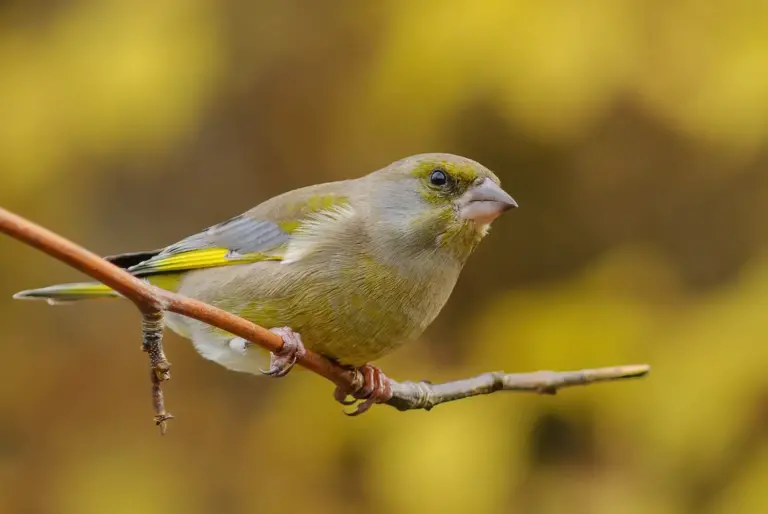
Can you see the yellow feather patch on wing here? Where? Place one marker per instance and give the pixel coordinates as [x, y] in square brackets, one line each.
[167, 281]
[196, 259]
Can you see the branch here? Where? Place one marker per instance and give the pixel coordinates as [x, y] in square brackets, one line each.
[152, 301]
[423, 395]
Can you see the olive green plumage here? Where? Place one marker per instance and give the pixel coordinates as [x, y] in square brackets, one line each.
[357, 267]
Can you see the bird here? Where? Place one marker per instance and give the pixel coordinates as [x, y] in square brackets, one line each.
[350, 269]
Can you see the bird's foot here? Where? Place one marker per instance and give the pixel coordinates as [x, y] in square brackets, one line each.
[280, 363]
[374, 389]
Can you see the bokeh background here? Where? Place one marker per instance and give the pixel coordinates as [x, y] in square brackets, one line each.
[633, 133]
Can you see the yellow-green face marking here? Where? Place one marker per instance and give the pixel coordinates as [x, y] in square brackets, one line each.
[458, 177]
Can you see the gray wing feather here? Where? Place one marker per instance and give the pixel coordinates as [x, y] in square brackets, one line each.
[241, 234]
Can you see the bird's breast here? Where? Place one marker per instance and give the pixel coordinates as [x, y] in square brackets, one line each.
[364, 308]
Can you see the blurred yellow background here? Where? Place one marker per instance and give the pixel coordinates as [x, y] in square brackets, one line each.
[633, 133]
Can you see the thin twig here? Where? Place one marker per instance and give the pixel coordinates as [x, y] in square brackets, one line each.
[159, 368]
[151, 301]
[423, 395]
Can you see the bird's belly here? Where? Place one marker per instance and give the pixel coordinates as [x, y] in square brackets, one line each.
[358, 326]
[354, 347]
[352, 334]
[351, 313]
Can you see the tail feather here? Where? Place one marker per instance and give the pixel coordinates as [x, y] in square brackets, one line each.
[64, 293]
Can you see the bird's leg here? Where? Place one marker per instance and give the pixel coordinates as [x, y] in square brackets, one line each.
[281, 362]
[374, 389]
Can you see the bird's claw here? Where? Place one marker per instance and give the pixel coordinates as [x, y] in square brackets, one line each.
[374, 389]
[342, 397]
[281, 362]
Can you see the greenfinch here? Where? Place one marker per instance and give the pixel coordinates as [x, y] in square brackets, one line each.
[349, 269]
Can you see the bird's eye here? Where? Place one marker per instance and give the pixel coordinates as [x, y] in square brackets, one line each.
[438, 178]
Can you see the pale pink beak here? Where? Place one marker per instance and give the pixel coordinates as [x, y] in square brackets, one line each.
[484, 202]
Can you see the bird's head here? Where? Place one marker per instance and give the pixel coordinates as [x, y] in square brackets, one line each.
[438, 201]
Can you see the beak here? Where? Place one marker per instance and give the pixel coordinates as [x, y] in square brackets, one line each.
[484, 202]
